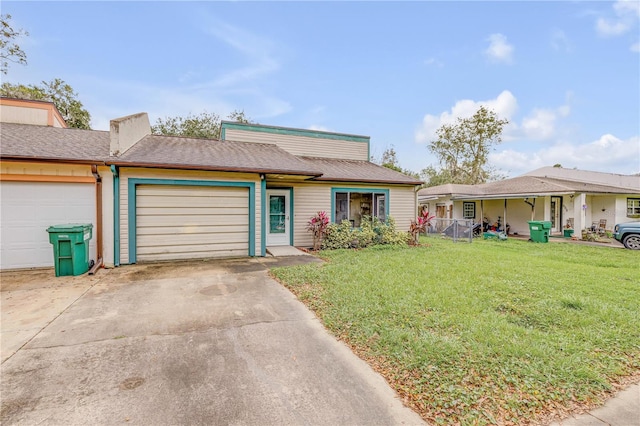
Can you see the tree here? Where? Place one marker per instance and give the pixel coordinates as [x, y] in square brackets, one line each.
[57, 91]
[204, 125]
[9, 50]
[389, 160]
[463, 148]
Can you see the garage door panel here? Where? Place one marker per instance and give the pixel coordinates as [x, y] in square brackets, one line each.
[187, 221]
[181, 191]
[196, 239]
[188, 210]
[195, 255]
[172, 230]
[226, 202]
[174, 222]
[29, 208]
[192, 248]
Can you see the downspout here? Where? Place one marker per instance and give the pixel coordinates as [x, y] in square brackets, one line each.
[116, 216]
[99, 262]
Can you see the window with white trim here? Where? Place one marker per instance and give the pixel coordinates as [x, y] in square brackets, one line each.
[633, 206]
[468, 210]
[353, 206]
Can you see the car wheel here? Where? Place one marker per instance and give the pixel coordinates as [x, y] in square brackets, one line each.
[632, 241]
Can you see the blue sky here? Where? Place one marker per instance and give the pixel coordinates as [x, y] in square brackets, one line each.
[565, 74]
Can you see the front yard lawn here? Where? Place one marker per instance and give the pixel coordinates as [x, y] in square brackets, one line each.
[494, 332]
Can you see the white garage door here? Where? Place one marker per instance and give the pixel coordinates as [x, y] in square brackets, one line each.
[189, 222]
[29, 208]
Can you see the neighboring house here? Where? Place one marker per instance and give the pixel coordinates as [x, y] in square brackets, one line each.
[59, 188]
[566, 197]
[24, 111]
[161, 198]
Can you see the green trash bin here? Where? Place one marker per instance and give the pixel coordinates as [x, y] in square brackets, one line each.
[568, 233]
[70, 248]
[539, 231]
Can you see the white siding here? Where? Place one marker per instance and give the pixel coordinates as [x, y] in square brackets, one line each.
[304, 145]
[403, 206]
[126, 173]
[24, 115]
[308, 199]
[311, 198]
[177, 222]
[44, 169]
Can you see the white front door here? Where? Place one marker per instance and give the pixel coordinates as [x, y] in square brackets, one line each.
[278, 214]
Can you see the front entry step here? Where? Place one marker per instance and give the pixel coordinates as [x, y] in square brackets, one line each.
[278, 251]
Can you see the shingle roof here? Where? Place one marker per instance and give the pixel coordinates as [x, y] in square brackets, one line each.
[357, 171]
[29, 142]
[206, 154]
[523, 186]
[52, 143]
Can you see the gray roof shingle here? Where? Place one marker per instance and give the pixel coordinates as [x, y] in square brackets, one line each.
[522, 186]
[52, 143]
[29, 142]
[207, 154]
[357, 171]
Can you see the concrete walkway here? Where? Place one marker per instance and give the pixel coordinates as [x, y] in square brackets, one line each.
[622, 410]
[281, 251]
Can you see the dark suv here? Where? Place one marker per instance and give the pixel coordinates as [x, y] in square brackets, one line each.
[628, 234]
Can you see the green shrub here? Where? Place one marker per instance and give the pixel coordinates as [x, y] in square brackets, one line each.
[371, 232]
[338, 236]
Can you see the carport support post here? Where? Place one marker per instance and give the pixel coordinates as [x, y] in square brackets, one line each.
[504, 217]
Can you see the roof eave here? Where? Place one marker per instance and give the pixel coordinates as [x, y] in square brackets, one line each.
[310, 173]
[61, 160]
[368, 181]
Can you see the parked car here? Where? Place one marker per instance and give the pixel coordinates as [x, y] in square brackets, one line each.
[628, 234]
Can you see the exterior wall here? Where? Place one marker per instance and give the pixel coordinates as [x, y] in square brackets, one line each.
[127, 173]
[306, 145]
[620, 210]
[30, 112]
[49, 172]
[445, 202]
[310, 198]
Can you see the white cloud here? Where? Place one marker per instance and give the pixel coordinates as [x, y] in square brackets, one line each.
[257, 50]
[504, 105]
[541, 123]
[319, 128]
[609, 28]
[499, 49]
[606, 154]
[635, 47]
[627, 13]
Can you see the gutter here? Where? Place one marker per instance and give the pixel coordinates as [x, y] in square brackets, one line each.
[311, 173]
[116, 216]
[99, 263]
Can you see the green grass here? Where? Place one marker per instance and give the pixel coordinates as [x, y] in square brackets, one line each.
[484, 333]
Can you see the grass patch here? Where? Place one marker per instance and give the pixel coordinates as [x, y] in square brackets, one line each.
[484, 333]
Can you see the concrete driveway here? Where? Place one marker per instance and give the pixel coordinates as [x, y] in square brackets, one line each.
[207, 342]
